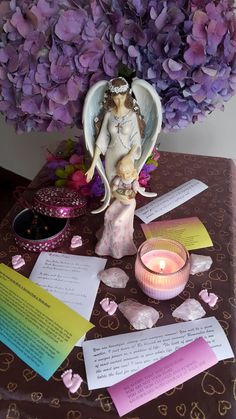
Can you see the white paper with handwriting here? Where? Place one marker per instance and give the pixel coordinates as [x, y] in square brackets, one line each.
[111, 359]
[170, 200]
[70, 278]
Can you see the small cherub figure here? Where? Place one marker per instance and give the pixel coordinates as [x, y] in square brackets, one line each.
[116, 238]
[125, 185]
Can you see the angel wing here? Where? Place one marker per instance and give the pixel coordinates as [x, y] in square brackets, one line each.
[150, 107]
[92, 105]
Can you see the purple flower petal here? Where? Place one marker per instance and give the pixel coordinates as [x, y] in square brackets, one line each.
[70, 24]
[110, 63]
[59, 94]
[23, 26]
[133, 52]
[195, 54]
[48, 8]
[215, 33]
[73, 88]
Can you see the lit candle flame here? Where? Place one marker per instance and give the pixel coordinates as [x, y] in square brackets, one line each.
[162, 265]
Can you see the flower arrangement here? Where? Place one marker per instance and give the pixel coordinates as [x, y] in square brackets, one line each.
[52, 51]
[68, 168]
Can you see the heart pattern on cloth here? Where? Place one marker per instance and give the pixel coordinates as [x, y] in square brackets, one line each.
[232, 301]
[73, 414]
[163, 409]
[223, 407]
[220, 257]
[197, 412]
[89, 252]
[87, 230]
[190, 284]
[218, 274]
[173, 390]
[109, 322]
[128, 266]
[13, 249]
[133, 291]
[212, 385]
[3, 255]
[226, 315]
[36, 396]
[55, 403]
[207, 284]
[11, 386]
[5, 361]
[116, 262]
[105, 402]
[29, 374]
[97, 335]
[181, 409]
[12, 412]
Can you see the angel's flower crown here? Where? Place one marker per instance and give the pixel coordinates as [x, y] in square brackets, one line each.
[118, 89]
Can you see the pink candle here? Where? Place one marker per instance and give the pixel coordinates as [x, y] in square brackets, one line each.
[162, 268]
[162, 261]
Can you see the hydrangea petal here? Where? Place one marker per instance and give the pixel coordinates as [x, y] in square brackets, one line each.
[23, 26]
[70, 24]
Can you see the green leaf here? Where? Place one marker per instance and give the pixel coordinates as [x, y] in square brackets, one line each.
[69, 169]
[126, 72]
[61, 173]
[60, 182]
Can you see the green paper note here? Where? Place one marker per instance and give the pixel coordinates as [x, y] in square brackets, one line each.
[38, 327]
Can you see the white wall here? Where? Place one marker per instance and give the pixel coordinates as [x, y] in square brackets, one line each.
[216, 136]
[25, 154]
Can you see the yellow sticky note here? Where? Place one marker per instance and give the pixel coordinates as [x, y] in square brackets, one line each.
[190, 232]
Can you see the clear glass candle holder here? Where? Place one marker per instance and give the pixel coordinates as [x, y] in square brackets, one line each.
[162, 268]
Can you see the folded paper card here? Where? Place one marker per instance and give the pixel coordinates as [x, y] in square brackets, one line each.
[170, 200]
[38, 327]
[111, 359]
[190, 232]
[162, 376]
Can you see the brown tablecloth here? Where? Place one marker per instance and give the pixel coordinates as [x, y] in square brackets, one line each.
[211, 394]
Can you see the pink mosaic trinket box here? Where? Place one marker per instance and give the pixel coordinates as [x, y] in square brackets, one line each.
[59, 202]
[46, 225]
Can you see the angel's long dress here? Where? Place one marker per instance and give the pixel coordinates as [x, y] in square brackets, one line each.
[116, 137]
[116, 237]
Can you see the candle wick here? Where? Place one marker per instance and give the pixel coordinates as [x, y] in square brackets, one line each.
[162, 266]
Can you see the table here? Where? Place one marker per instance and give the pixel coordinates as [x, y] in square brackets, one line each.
[211, 394]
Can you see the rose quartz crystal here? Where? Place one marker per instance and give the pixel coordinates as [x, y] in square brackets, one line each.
[199, 263]
[114, 277]
[140, 316]
[190, 309]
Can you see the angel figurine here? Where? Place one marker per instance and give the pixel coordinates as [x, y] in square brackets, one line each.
[118, 125]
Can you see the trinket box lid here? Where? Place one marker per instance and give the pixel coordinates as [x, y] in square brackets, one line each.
[59, 202]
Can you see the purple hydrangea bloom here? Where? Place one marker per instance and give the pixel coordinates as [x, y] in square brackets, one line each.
[53, 50]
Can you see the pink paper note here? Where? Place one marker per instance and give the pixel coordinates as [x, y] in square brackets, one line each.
[162, 376]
